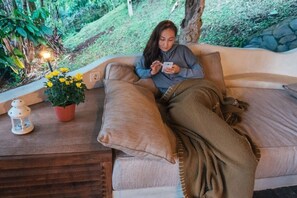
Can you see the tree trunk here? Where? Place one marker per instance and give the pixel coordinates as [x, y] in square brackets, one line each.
[191, 24]
[8, 5]
[41, 3]
[25, 6]
[14, 4]
[32, 6]
[130, 9]
[57, 14]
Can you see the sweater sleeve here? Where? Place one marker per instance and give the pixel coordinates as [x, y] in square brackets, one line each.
[194, 69]
[141, 71]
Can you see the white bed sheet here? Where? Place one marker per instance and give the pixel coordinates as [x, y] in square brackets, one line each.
[271, 121]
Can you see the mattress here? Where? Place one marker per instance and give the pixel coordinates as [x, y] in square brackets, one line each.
[271, 122]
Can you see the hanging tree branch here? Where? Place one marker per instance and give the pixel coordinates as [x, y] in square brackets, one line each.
[191, 24]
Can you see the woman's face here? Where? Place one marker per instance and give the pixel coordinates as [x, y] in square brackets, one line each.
[167, 39]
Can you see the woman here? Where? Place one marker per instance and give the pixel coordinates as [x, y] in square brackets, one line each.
[160, 48]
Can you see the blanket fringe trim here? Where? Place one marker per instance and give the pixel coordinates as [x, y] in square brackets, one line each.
[180, 154]
[167, 94]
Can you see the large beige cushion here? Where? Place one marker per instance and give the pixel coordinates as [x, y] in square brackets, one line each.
[212, 68]
[132, 122]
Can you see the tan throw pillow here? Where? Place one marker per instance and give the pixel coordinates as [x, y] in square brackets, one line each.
[212, 68]
[291, 89]
[132, 123]
[120, 71]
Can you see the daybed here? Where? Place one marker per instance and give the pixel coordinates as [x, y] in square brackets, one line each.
[253, 75]
[142, 166]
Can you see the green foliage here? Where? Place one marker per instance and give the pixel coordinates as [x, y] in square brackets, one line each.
[13, 61]
[39, 15]
[75, 22]
[12, 79]
[63, 90]
[16, 26]
[11, 66]
[76, 14]
[20, 25]
[232, 23]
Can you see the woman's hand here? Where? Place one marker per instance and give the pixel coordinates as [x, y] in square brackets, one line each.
[155, 67]
[175, 69]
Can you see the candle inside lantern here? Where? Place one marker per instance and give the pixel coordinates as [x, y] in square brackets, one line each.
[19, 114]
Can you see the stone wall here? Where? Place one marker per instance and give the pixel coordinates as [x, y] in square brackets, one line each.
[279, 38]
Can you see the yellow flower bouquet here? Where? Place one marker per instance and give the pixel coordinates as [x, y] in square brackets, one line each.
[63, 90]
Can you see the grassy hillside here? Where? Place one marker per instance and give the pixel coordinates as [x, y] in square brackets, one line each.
[117, 33]
[225, 22]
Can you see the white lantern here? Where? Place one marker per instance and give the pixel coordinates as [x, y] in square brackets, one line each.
[19, 114]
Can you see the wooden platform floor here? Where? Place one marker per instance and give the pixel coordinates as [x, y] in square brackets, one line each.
[285, 192]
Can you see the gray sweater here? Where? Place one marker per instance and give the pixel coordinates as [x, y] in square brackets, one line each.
[180, 55]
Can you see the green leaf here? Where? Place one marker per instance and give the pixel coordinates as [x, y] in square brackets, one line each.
[29, 27]
[33, 40]
[9, 60]
[18, 52]
[3, 61]
[8, 29]
[38, 33]
[33, 26]
[2, 12]
[47, 30]
[14, 70]
[41, 41]
[18, 62]
[10, 63]
[21, 31]
[43, 14]
[4, 22]
[35, 14]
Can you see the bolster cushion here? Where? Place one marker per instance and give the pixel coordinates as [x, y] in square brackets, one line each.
[133, 124]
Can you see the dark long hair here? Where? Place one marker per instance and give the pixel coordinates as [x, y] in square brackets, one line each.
[152, 51]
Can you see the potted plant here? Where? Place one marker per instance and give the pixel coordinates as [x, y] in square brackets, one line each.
[64, 92]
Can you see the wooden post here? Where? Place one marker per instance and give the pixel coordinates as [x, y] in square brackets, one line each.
[130, 9]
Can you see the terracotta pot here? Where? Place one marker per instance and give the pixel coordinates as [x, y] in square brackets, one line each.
[65, 114]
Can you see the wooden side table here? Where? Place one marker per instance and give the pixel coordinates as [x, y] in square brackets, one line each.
[57, 159]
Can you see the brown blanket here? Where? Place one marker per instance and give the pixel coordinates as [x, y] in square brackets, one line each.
[216, 160]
